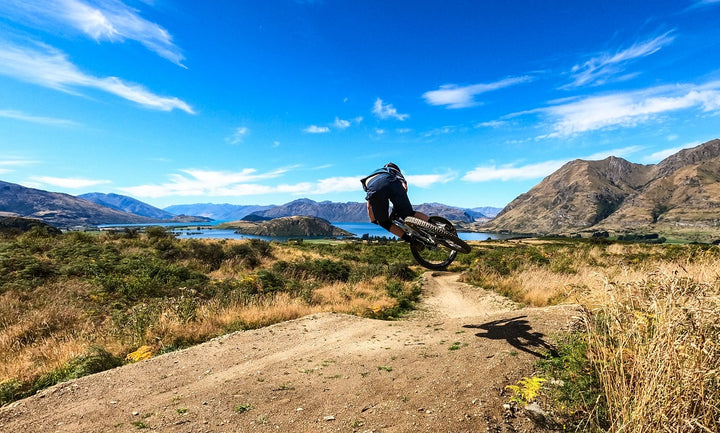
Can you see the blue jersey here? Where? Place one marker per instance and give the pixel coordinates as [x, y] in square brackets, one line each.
[386, 172]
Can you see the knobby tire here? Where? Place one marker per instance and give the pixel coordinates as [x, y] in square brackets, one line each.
[454, 242]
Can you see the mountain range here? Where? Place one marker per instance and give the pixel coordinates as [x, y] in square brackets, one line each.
[357, 212]
[681, 194]
[64, 210]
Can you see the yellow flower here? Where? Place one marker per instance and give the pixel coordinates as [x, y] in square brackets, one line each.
[141, 354]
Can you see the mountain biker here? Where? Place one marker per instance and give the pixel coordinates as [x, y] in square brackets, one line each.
[384, 186]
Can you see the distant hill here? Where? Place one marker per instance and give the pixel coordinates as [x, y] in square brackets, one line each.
[127, 204]
[357, 212]
[124, 203]
[287, 226]
[60, 210]
[215, 211]
[680, 194]
[14, 226]
[336, 212]
[487, 211]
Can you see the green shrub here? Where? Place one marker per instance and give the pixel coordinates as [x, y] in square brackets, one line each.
[319, 269]
[574, 385]
[10, 390]
[95, 360]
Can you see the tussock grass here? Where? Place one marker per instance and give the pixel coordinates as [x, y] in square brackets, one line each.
[655, 344]
[65, 299]
[648, 355]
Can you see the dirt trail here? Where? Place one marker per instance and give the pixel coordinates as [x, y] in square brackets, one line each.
[440, 370]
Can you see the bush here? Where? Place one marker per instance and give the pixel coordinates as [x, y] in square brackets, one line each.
[319, 269]
[95, 360]
[10, 390]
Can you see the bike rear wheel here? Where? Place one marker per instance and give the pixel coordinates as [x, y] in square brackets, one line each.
[439, 256]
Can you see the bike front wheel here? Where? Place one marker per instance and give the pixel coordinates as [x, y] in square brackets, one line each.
[442, 230]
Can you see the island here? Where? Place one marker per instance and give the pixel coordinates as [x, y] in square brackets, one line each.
[303, 226]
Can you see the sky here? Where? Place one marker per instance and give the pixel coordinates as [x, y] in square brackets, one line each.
[267, 101]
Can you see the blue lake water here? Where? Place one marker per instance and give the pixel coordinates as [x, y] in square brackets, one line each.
[205, 231]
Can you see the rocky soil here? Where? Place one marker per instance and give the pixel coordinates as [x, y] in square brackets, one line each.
[443, 369]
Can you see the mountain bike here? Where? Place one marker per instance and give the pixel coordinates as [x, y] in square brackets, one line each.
[437, 242]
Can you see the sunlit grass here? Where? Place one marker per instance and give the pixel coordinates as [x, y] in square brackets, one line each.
[62, 297]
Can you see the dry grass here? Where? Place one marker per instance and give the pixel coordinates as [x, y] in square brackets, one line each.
[653, 326]
[655, 343]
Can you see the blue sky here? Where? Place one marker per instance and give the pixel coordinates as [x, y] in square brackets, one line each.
[264, 102]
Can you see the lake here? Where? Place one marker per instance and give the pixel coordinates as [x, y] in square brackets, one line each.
[205, 231]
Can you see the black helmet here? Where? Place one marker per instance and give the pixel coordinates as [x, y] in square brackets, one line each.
[392, 165]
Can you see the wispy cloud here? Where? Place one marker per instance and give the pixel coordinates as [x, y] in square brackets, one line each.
[702, 3]
[658, 156]
[314, 129]
[46, 66]
[513, 172]
[537, 170]
[101, 20]
[427, 180]
[193, 182]
[627, 109]
[344, 124]
[622, 152]
[69, 182]
[8, 165]
[239, 135]
[387, 111]
[492, 124]
[611, 66]
[19, 115]
[454, 96]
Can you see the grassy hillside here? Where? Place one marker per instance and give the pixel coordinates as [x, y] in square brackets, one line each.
[70, 297]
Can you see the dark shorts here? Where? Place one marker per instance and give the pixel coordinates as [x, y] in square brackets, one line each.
[385, 190]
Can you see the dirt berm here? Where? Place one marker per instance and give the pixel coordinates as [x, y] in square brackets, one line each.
[442, 369]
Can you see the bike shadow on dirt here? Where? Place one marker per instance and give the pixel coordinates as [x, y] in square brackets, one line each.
[518, 333]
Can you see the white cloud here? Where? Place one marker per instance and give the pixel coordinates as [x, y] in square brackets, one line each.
[513, 172]
[622, 152]
[101, 20]
[454, 96]
[16, 162]
[658, 156]
[609, 66]
[19, 115]
[69, 182]
[387, 111]
[426, 180]
[342, 124]
[236, 184]
[208, 183]
[538, 170]
[337, 184]
[628, 109]
[239, 135]
[314, 129]
[492, 124]
[48, 67]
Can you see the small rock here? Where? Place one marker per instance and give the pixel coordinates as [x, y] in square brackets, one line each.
[536, 413]
[136, 413]
[329, 418]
